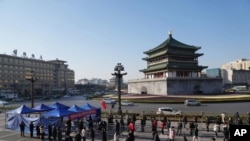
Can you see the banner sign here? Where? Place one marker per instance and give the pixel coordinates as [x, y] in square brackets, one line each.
[81, 114]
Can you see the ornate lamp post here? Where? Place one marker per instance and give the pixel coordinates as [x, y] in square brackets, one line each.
[118, 74]
[32, 78]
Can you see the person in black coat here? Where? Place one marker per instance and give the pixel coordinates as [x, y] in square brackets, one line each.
[184, 120]
[122, 123]
[92, 134]
[22, 128]
[78, 137]
[54, 132]
[38, 131]
[31, 129]
[117, 127]
[207, 123]
[59, 134]
[104, 134]
[49, 131]
[226, 134]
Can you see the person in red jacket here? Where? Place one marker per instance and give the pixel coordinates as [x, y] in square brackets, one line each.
[131, 126]
[163, 125]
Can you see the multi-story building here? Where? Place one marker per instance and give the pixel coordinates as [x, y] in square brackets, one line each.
[172, 68]
[236, 73]
[241, 64]
[51, 75]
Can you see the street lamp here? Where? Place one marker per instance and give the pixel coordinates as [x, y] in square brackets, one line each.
[118, 74]
[32, 78]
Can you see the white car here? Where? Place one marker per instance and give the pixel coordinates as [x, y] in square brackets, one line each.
[109, 101]
[168, 111]
[67, 95]
[4, 103]
[192, 102]
[18, 99]
[127, 103]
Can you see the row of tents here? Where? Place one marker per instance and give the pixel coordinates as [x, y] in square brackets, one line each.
[51, 114]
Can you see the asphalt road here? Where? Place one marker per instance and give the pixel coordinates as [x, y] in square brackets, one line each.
[211, 108]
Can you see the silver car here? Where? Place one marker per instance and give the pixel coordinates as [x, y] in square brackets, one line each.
[192, 102]
[168, 111]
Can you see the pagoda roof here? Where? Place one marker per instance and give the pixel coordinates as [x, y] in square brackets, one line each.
[173, 54]
[167, 66]
[171, 42]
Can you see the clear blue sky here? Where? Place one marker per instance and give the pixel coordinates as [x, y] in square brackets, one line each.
[94, 35]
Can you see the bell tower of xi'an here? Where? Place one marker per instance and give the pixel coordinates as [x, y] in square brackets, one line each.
[172, 68]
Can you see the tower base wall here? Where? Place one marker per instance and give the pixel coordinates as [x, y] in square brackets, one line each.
[175, 86]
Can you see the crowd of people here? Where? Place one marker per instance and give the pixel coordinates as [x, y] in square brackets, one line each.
[89, 128]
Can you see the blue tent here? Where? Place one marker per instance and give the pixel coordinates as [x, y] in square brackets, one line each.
[58, 105]
[88, 106]
[58, 112]
[75, 108]
[42, 107]
[13, 121]
[23, 109]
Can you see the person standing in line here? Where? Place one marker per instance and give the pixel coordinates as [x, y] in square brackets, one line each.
[191, 127]
[143, 123]
[195, 134]
[78, 136]
[83, 133]
[81, 124]
[196, 120]
[172, 134]
[207, 123]
[38, 131]
[163, 125]
[226, 134]
[92, 134]
[122, 123]
[179, 128]
[49, 131]
[154, 129]
[218, 122]
[22, 128]
[117, 127]
[184, 120]
[59, 134]
[54, 132]
[31, 129]
[156, 137]
[104, 134]
[216, 129]
[42, 131]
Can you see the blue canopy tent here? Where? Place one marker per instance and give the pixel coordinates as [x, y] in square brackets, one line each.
[59, 105]
[42, 108]
[87, 106]
[58, 112]
[14, 117]
[13, 121]
[23, 109]
[75, 108]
